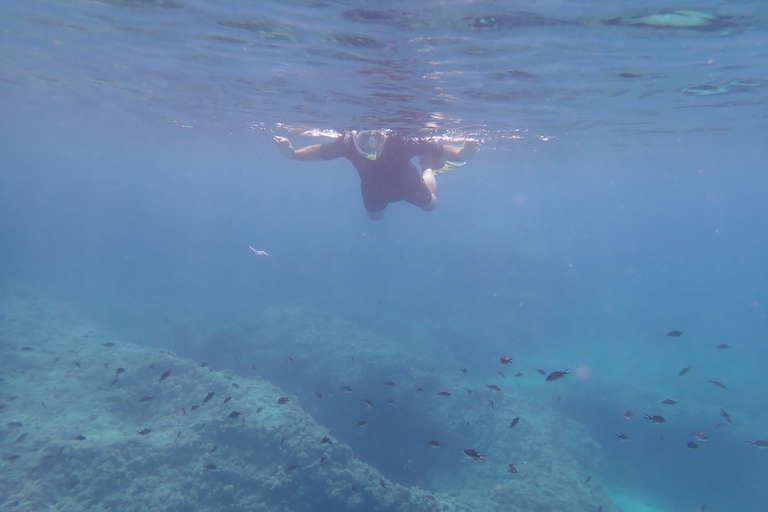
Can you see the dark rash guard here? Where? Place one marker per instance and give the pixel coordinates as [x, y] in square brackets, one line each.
[392, 177]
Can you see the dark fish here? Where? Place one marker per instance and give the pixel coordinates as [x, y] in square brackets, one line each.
[760, 443]
[323, 459]
[433, 444]
[390, 401]
[108, 344]
[215, 447]
[282, 440]
[588, 479]
[290, 358]
[326, 440]
[119, 370]
[419, 389]
[202, 365]
[78, 438]
[346, 389]
[12, 457]
[656, 418]
[540, 371]
[514, 423]
[429, 497]
[518, 374]
[493, 407]
[164, 376]
[717, 384]
[319, 395]
[361, 423]
[557, 375]
[236, 385]
[209, 467]
[699, 435]
[469, 391]
[691, 445]
[292, 467]
[15, 424]
[628, 414]
[511, 468]
[669, 401]
[493, 387]
[77, 364]
[443, 393]
[501, 373]
[144, 432]
[26, 349]
[226, 400]
[235, 414]
[469, 452]
[389, 383]
[675, 334]
[726, 416]
[723, 346]
[381, 481]
[146, 398]
[368, 403]
[114, 381]
[684, 371]
[505, 360]
[208, 397]
[463, 370]
[283, 400]
[622, 437]
[195, 407]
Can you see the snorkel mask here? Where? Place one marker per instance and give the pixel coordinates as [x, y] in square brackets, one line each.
[370, 143]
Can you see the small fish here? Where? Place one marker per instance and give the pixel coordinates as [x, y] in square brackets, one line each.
[469, 452]
[290, 358]
[77, 364]
[283, 400]
[501, 373]
[208, 397]
[114, 381]
[381, 481]
[282, 441]
[78, 438]
[726, 416]
[419, 389]
[463, 370]
[675, 334]
[389, 383]
[164, 376]
[540, 371]
[146, 398]
[443, 393]
[108, 344]
[557, 375]
[119, 371]
[493, 407]
[518, 374]
[11, 458]
[236, 385]
[326, 440]
[15, 424]
[628, 414]
[684, 371]
[345, 389]
[215, 447]
[699, 435]
[589, 478]
[760, 443]
[235, 414]
[514, 422]
[209, 467]
[226, 400]
[390, 401]
[511, 468]
[433, 444]
[144, 432]
[368, 404]
[691, 445]
[717, 383]
[622, 437]
[655, 418]
[469, 392]
[292, 467]
[493, 387]
[723, 346]
[669, 401]
[361, 423]
[323, 459]
[319, 395]
[506, 360]
[202, 365]
[429, 497]
[194, 407]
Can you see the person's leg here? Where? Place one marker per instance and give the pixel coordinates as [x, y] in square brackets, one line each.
[429, 180]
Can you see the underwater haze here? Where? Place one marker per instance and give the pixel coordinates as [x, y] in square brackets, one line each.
[612, 224]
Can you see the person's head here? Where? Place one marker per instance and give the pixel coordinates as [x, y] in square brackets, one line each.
[370, 143]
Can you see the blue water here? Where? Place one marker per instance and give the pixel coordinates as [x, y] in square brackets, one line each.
[609, 204]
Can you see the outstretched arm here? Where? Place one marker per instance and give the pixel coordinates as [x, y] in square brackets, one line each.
[307, 154]
[467, 151]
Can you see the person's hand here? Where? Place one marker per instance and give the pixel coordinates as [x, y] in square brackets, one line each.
[285, 147]
[468, 149]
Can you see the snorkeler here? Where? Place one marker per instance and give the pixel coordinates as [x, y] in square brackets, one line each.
[383, 161]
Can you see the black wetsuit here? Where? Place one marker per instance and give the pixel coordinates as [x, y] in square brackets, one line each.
[392, 176]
